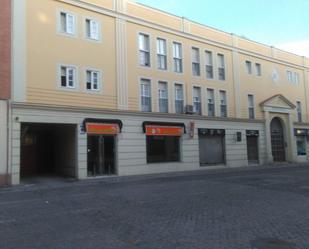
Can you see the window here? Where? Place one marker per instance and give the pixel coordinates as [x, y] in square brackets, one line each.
[144, 50]
[92, 29]
[145, 95]
[197, 100]
[209, 65]
[161, 54]
[251, 106]
[299, 111]
[161, 149]
[211, 102]
[68, 76]
[92, 80]
[258, 69]
[196, 71]
[163, 97]
[293, 77]
[223, 104]
[67, 23]
[179, 102]
[177, 57]
[301, 145]
[221, 67]
[249, 67]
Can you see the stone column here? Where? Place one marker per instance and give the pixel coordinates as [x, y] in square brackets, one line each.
[269, 157]
[291, 139]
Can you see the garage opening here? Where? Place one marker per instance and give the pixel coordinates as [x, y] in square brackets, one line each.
[48, 150]
[211, 146]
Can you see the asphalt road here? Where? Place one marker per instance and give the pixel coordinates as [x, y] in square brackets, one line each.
[246, 209]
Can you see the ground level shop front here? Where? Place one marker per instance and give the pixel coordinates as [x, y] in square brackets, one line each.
[68, 142]
[89, 143]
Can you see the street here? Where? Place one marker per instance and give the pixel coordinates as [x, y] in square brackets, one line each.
[208, 209]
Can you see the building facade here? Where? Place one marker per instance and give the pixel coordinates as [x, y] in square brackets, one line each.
[112, 87]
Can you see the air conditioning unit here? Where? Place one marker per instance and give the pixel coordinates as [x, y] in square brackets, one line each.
[189, 109]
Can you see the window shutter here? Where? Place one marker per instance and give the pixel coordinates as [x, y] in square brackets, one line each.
[70, 24]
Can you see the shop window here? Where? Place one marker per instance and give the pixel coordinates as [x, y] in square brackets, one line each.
[301, 146]
[163, 149]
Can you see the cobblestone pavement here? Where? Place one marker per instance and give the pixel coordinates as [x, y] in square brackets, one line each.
[194, 210]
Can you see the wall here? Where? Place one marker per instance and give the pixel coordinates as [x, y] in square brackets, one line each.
[5, 49]
[3, 142]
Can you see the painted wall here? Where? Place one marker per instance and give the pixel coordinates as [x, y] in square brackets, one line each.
[47, 48]
[5, 49]
[3, 142]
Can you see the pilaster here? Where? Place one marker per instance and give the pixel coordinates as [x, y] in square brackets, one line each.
[236, 75]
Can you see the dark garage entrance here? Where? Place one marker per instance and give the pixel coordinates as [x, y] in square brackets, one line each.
[252, 146]
[277, 140]
[211, 146]
[48, 150]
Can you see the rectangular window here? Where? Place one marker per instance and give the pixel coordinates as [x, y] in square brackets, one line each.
[177, 57]
[209, 65]
[196, 70]
[67, 23]
[221, 67]
[163, 97]
[144, 50]
[211, 102]
[145, 95]
[197, 100]
[251, 106]
[92, 29]
[92, 80]
[293, 77]
[296, 78]
[258, 69]
[223, 104]
[179, 99]
[301, 146]
[249, 67]
[161, 54]
[299, 111]
[163, 149]
[68, 76]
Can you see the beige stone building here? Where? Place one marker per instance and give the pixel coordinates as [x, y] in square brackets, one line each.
[113, 87]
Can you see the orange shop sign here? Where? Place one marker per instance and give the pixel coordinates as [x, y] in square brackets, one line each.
[153, 130]
[102, 129]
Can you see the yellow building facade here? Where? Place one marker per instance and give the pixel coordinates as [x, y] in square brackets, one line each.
[113, 87]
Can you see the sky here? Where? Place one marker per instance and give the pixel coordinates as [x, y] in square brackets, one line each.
[280, 23]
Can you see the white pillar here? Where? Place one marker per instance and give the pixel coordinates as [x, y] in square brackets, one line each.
[269, 157]
[291, 139]
[3, 142]
[81, 167]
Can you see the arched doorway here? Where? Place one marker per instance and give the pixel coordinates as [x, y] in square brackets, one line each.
[277, 140]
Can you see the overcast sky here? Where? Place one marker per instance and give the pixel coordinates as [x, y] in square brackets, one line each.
[280, 23]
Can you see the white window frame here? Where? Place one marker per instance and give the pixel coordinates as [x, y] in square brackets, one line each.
[163, 55]
[209, 65]
[140, 93]
[180, 58]
[99, 26]
[219, 66]
[213, 101]
[183, 96]
[196, 62]
[99, 73]
[75, 76]
[145, 34]
[251, 107]
[167, 95]
[258, 69]
[200, 99]
[248, 65]
[226, 103]
[74, 27]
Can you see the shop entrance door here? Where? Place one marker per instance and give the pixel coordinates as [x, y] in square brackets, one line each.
[252, 150]
[277, 140]
[101, 155]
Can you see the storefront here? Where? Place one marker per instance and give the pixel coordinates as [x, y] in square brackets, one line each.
[163, 141]
[301, 136]
[211, 146]
[102, 145]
